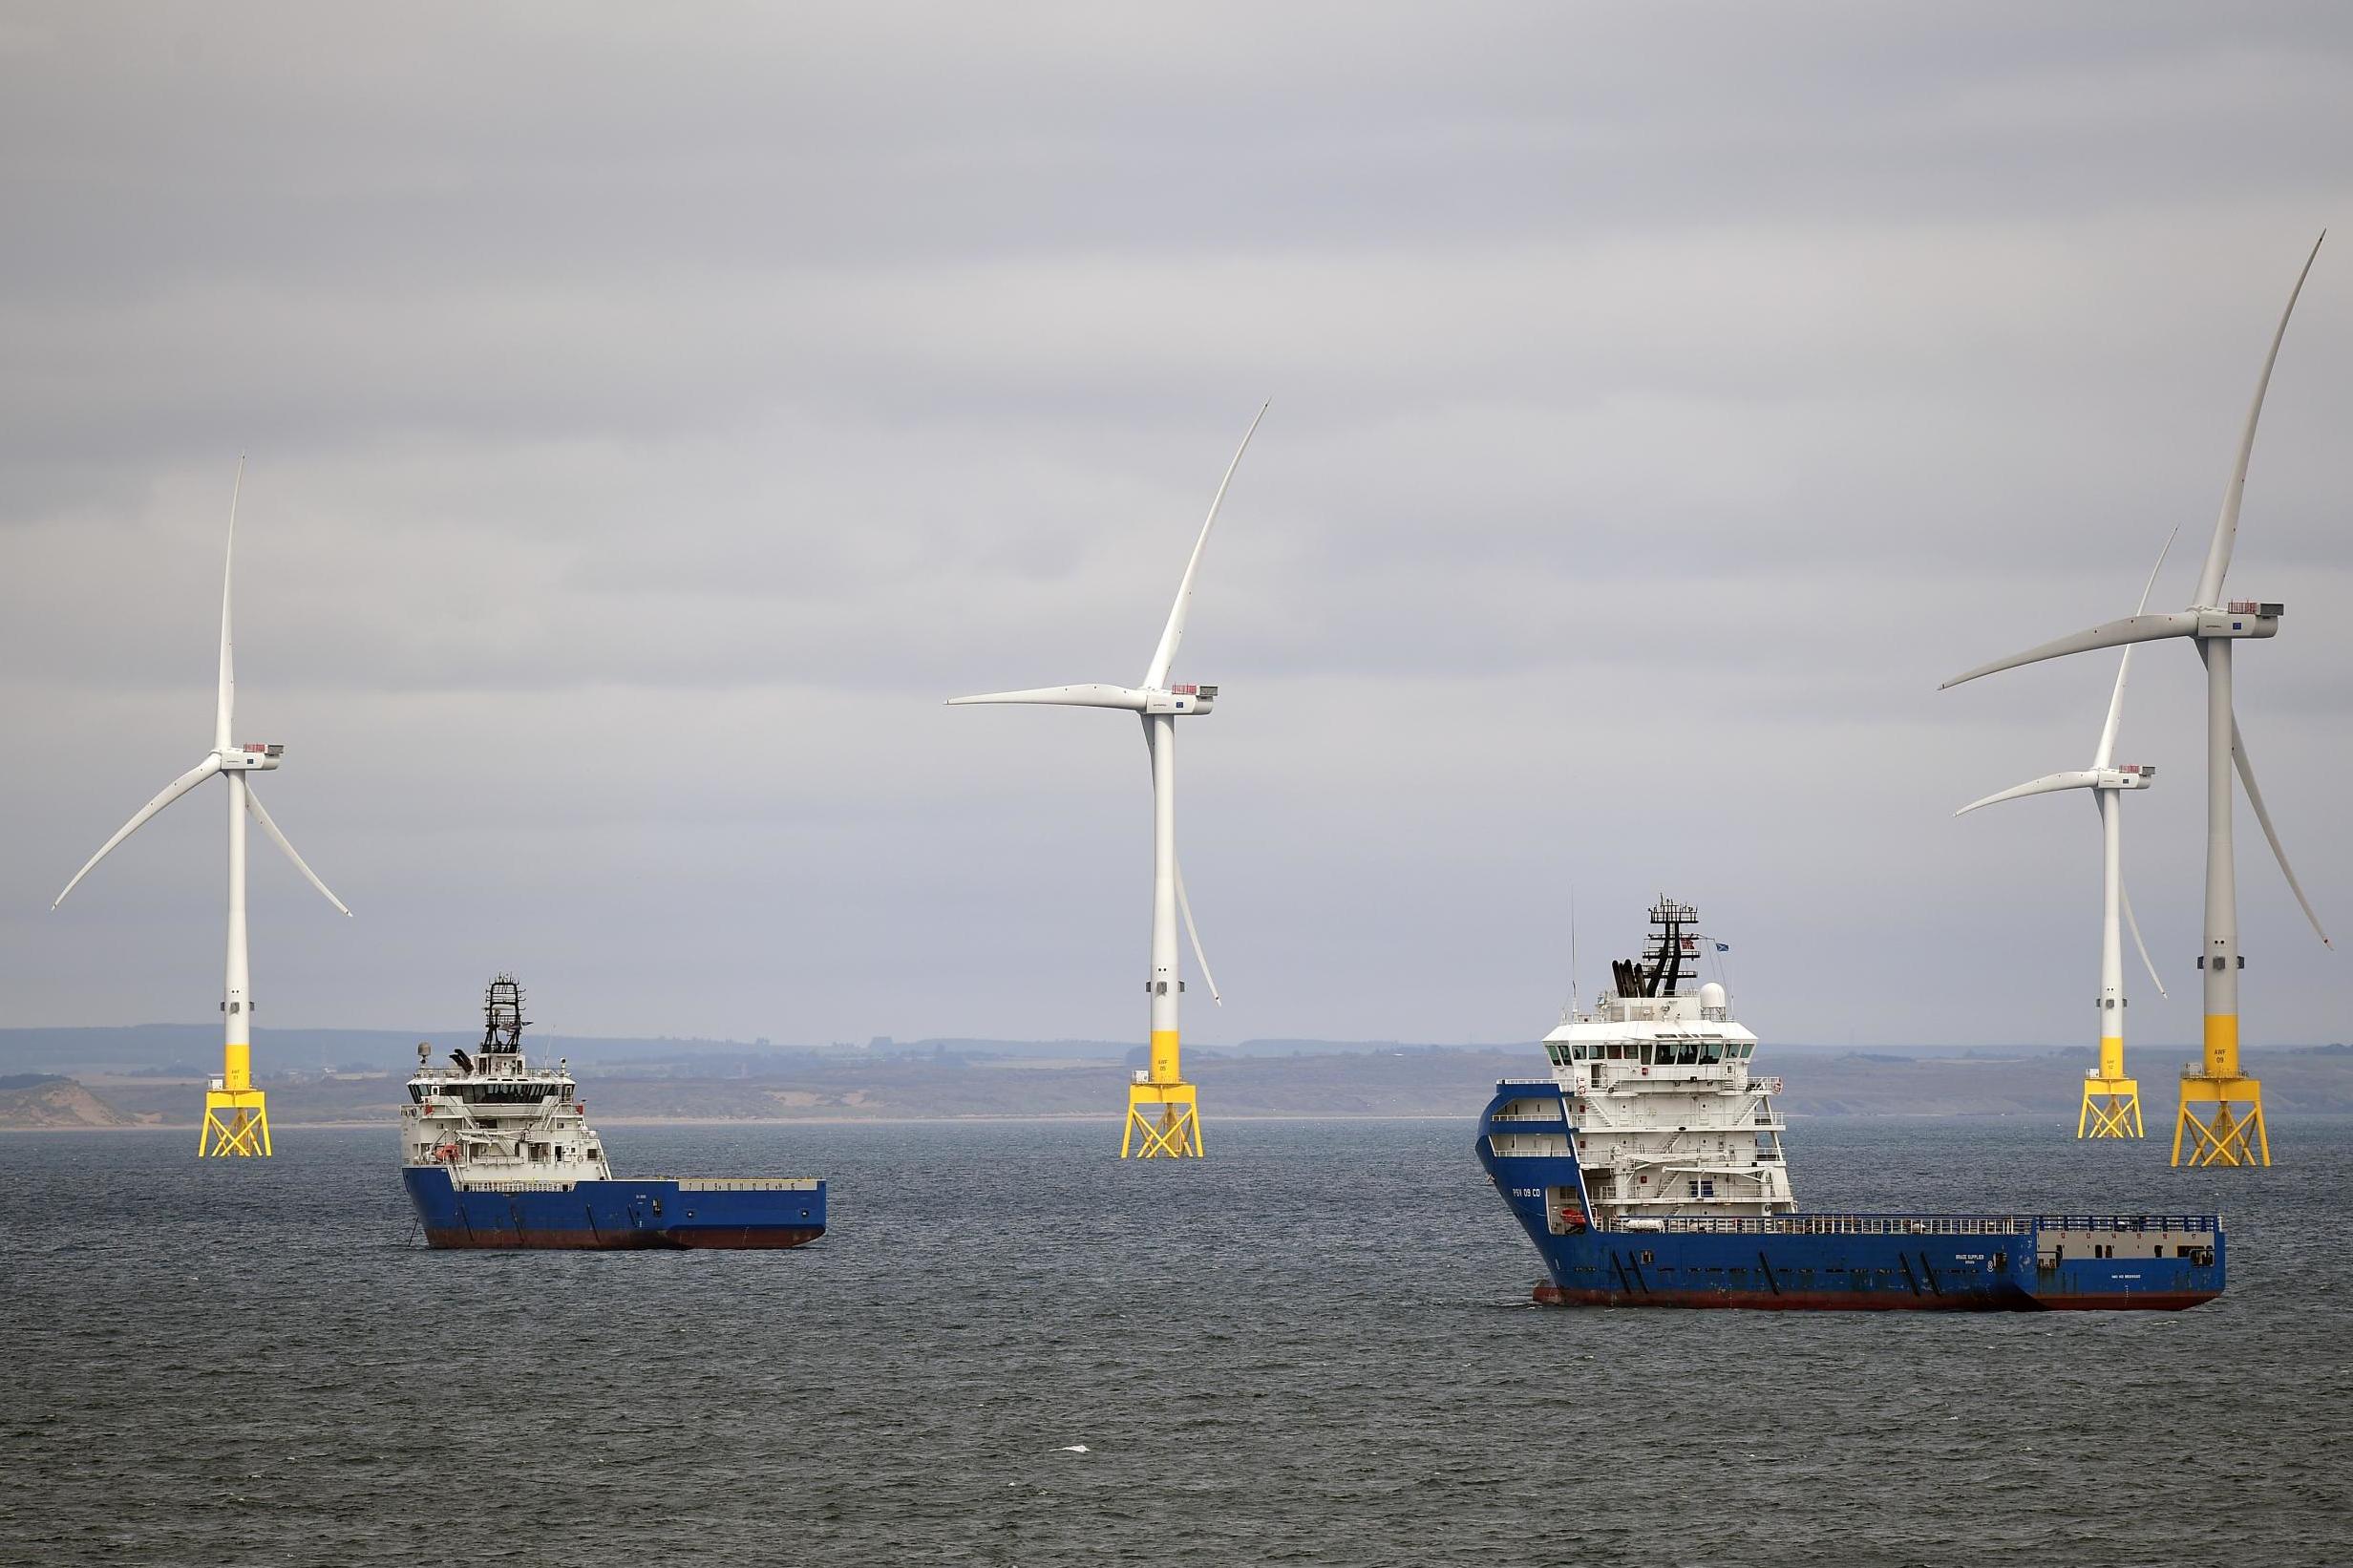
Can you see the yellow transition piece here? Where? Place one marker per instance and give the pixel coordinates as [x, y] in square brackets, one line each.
[236, 1113]
[2228, 1130]
[1162, 1107]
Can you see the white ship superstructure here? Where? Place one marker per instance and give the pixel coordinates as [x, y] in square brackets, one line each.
[1664, 1114]
[492, 1119]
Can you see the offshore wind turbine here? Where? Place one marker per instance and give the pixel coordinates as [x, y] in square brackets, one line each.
[236, 1113]
[2226, 1126]
[1161, 1106]
[2111, 1102]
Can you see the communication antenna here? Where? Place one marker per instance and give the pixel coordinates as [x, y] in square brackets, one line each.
[1572, 954]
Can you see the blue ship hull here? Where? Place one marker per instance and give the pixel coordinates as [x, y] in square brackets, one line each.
[1845, 1262]
[614, 1214]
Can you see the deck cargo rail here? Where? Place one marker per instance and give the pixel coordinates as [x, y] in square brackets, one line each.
[1925, 1224]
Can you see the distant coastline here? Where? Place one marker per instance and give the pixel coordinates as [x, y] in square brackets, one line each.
[639, 1084]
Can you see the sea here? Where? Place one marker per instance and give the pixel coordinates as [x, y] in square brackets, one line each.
[1315, 1347]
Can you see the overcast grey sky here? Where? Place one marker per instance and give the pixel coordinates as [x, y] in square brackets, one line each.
[653, 412]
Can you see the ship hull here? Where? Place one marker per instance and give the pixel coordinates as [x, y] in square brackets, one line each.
[1852, 1262]
[1893, 1272]
[1548, 1295]
[615, 1215]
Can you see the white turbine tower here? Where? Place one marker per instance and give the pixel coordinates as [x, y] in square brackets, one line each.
[2221, 1134]
[1161, 1106]
[236, 1113]
[2111, 1102]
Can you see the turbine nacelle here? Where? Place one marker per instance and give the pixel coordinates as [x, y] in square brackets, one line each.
[2242, 618]
[252, 755]
[1182, 699]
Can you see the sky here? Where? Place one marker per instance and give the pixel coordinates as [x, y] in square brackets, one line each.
[652, 413]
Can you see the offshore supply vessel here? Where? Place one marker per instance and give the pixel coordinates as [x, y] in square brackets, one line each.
[1648, 1172]
[498, 1154]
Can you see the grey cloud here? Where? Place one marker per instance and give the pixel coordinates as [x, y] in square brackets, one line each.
[653, 418]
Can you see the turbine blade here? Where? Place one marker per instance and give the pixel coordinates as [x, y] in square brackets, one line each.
[171, 792]
[2045, 784]
[1093, 696]
[2226, 526]
[2106, 752]
[2254, 798]
[1184, 906]
[2135, 926]
[253, 804]
[225, 696]
[1174, 632]
[2132, 629]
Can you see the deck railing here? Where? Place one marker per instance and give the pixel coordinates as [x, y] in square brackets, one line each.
[748, 1184]
[1926, 1224]
[691, 1185]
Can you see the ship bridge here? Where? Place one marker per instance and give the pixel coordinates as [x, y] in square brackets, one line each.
[491, 1116]
[1654, 1097]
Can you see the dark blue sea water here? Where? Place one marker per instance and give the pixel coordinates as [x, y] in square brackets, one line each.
[1313, 1347]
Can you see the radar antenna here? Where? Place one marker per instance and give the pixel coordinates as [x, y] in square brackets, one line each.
[1668, 946]
[502, 1015]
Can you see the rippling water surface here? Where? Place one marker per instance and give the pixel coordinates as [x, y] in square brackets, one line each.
[1313, 1347]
